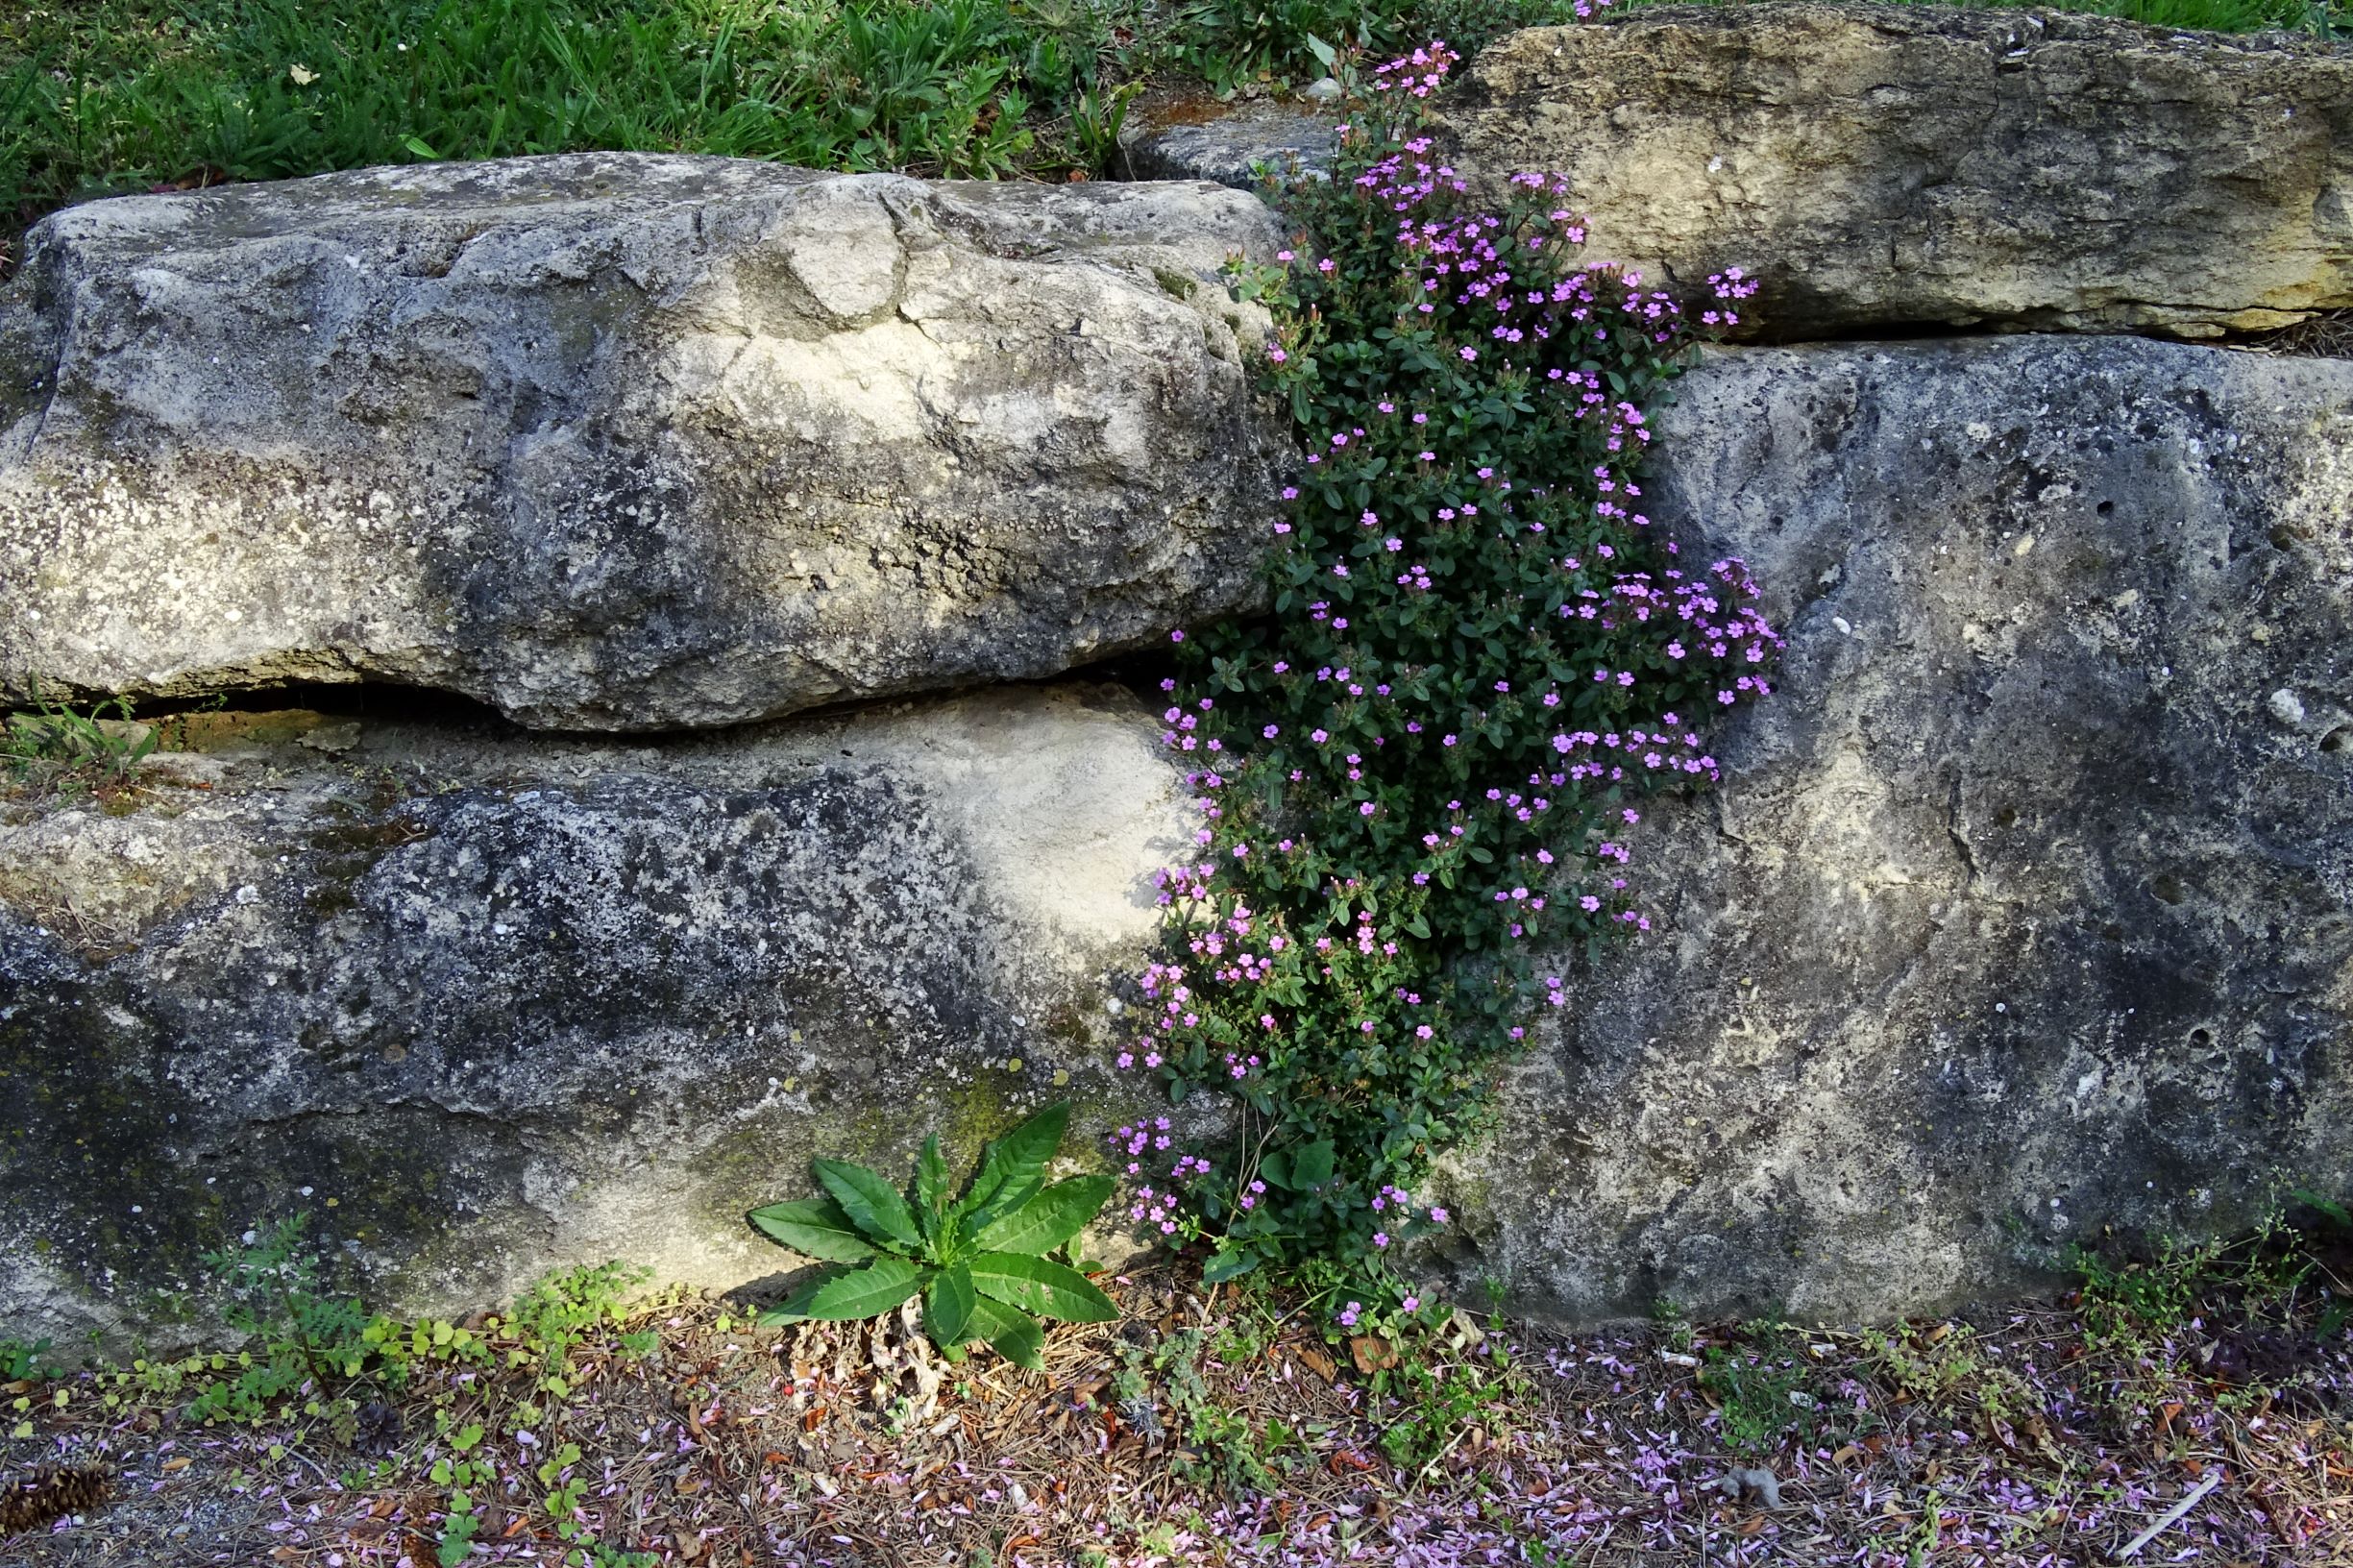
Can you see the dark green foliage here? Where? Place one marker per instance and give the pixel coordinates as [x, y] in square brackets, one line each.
[2300, 1249]
[22, 1362]
[1752, 1389]
[309, 1340]
[979, 1263]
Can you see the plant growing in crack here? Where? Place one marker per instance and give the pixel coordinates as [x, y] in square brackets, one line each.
[1419, 782]
[978, 1261]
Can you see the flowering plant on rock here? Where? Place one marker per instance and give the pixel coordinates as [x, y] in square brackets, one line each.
[1417, 784]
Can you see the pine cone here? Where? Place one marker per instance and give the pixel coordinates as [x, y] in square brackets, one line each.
[31, 1500]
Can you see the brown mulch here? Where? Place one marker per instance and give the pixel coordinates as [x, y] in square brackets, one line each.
[2004, 1440]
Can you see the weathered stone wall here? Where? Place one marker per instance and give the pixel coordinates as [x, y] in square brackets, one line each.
[2024, 912]
[2030, 885]
[1900, 167]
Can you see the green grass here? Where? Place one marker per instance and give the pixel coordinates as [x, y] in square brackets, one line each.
[99, 97]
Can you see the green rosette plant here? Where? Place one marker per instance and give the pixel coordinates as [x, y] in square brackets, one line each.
[977, 1261]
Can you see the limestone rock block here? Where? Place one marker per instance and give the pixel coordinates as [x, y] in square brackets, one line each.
[1901, 166]
[2023, 911]
[624, 442]
[482, 1003]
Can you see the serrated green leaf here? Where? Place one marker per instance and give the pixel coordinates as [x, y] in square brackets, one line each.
[1048, 1220]
[1017, 1161]
[1008, 1159]
[795, 1307]
[864, 1292]
[947, 1306]
[816, 1226]
[1045, 1290]
[1011, 1333]
[872, 1204]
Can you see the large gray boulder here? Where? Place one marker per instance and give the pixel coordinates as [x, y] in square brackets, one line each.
[623, 442]
[481, 1004]
[2025, 910]
[1897, 166]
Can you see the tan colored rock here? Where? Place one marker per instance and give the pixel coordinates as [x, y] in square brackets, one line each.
[614, 441]
[1887, 166]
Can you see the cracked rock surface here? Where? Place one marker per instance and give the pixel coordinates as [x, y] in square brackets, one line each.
[2024, 910]
[620, 441]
